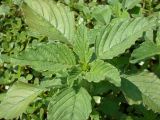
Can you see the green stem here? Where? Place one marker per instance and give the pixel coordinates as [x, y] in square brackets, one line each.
[19, 72]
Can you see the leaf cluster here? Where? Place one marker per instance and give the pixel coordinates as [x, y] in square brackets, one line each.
[80, 60]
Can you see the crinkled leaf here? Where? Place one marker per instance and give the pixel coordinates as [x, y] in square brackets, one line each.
[116, 38]
[81, 45]
[149, 85]
[52, 57]
[17, 99]
[101, 70]
[70, 105]
[51, 19]
[146, 50]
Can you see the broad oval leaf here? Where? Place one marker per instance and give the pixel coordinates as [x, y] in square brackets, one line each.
[70, 104]
[17, 99]
[116, 38]
[51, 19]
[101, 70]
[52, 57]
[149, 85]
[146, 50]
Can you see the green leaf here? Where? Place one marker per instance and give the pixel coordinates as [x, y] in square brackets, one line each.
[129, 4]
[158, 37]
[2, 95]
[51, 19]
[116, 38]
[102, 14]
[51, 83]
[4, 9]
[131, 92]
[149, 85]
[52, 57]
[92, 34]
[81, 45]
[110, 107]
[95, 115]
[17, 2]
[146, 50]
[17, 99]
[70, 105]
[113, 2]
[101, 70]
[149, 35]
[117, 11]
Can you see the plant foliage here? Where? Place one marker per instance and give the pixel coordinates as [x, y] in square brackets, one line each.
[80, 60]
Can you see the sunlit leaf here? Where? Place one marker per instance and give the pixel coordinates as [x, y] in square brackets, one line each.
[17, 99]
[70, 105]
[51, 19]
[101, 70]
